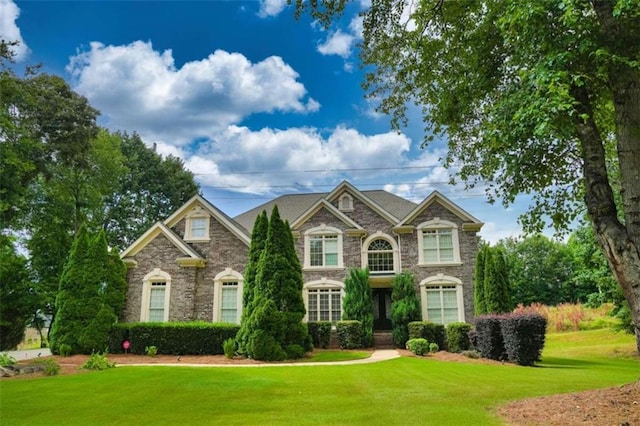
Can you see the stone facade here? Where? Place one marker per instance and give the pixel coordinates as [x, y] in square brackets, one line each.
[194, 265]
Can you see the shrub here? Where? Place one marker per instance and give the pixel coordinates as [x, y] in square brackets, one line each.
[404, 309]
[229, 348]
[458, 336]
[428, 330]
[433, 347]
[418, 346]
[51, 367]
[473, 339]
[6, 360]
[471, 354]
[357, 304]
[349, 334]
[295, 351]
[320, 333]
[65, 350]
[151, 351]
[489, 337]
[264, 347]
[97, 361]
[173, 338]
[524, 336]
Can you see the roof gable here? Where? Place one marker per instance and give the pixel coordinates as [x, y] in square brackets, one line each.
[222, 218]
[323, 203]
[469, 221]
[354, 192]
[160, 229]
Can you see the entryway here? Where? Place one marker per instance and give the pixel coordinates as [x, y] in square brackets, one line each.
[381, 308]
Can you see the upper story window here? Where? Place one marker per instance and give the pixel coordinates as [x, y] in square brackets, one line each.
[227, 296]
[156, 288]
[197, 225]
[323, 248]
[438, 243]
[381, 254]
[345, 203]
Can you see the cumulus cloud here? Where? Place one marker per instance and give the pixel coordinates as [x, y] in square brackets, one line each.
[271, 7]
[138, 88]
[341, 42]
[9, 30]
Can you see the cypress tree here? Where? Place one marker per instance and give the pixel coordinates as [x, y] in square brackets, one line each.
[496, 284]
[357, 303]
[478, 293]
[405, 308]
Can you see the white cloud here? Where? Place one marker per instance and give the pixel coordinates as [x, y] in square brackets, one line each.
[271, 7]
[340, 42]
[9, 30]
[138, 88]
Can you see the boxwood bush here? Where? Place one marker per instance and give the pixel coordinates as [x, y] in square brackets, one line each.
[419, 346]
[349, 334]
[458, 336]
[489, 341]
[320, 332]
[524, 336]
[172, 338]
[434, 333]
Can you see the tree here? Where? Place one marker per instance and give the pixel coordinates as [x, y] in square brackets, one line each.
[497, 297]
[478, 281]
[535, 97]
[404, 309]
[357, 303]
[17, 299]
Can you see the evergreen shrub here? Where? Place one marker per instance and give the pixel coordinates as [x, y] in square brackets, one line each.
[405, 308]
[433, 332]
[172, 338]
[458, 336]
[229, 348]
[524, 337]
[489, 337]
[349, 334]
[419, 346]
[320, 332]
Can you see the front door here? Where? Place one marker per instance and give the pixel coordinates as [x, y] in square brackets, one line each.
[381, 308]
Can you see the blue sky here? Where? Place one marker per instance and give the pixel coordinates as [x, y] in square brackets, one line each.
[256, 103]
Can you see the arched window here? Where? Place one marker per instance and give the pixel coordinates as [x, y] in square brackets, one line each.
[380, 254]
[197, 225]
[323, 248]
[442, 299]
[438, 243]
[345, 203]
[323, 300]
[156, 291]
[227, 296]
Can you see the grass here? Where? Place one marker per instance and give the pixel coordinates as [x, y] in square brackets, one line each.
[328, 355]
[400, 391]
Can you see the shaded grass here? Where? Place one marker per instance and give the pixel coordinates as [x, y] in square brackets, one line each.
[400, 391]
[328, 355]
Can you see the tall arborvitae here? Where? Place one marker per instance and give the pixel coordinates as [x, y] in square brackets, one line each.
[497, 294]
[258, 240]
[404, 309]
[274, 326]
[357, 303]
[478, 293]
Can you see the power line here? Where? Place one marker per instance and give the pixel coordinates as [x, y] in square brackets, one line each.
[364, 169]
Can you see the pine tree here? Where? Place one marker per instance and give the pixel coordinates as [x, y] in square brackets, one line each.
[405, 307]
[478, 294]
[357, 303]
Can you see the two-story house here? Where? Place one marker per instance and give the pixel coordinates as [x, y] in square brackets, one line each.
[190, 266]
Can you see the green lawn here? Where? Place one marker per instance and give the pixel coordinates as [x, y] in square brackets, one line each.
[400, 391]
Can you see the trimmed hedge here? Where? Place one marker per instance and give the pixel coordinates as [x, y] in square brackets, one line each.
[524, 336]
[349, 334]
[489, 341]
[458, 337]
[434, 333]
[172, 338]
[320, 333]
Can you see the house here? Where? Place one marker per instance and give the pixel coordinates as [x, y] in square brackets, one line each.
[190, 266]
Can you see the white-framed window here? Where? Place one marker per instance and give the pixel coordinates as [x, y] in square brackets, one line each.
[197, 225]
[345, 203]
[380, 254]
[442, 299]
[323, 248]
[227, 296]
[438, 243]
[156, 293]
[323, 300]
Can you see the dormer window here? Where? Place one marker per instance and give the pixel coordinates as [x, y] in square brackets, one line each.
[197, 225]
[345, 203]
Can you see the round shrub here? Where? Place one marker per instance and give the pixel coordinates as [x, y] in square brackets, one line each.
[295, 351]
[433, 347]
[418, 346]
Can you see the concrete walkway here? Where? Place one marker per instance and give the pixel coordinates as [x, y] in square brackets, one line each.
[28, 354]
[376, 356]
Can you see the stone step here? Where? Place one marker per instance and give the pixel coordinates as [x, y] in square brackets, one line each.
[383, 340]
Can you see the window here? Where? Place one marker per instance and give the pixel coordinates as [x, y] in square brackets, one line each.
[156, 286]
[323, 248]
[438, 243]
[345, 203]
[325, 305]
[381, 256]
[197, 225]
[227, 296]
[442, 300]
[323, 300]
